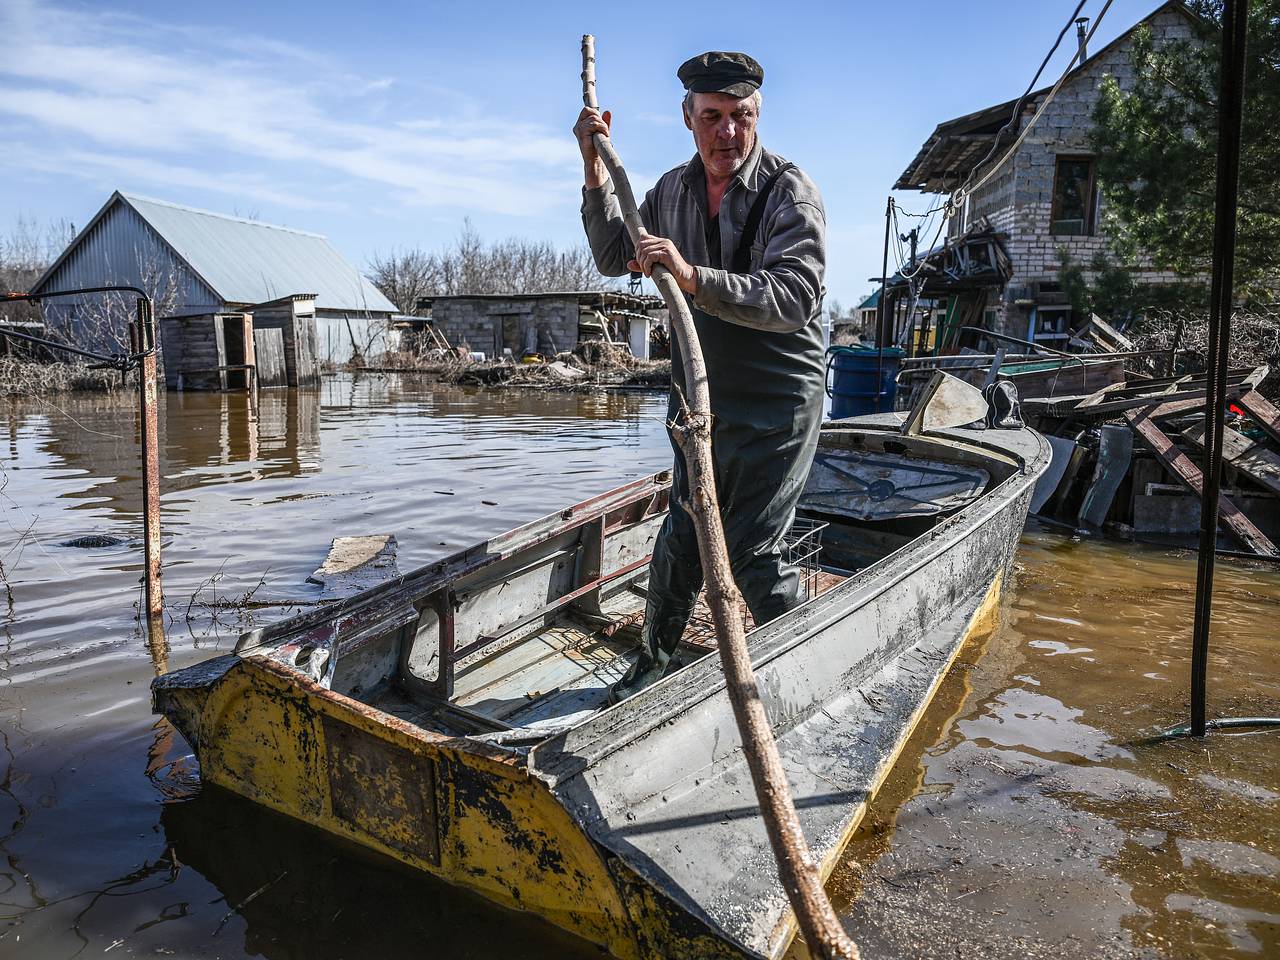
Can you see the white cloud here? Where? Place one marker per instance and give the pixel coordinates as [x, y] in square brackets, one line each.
[111, 170]
[661, 119]
[186, 106]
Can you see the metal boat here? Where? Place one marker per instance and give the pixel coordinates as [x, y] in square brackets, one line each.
[454, 718]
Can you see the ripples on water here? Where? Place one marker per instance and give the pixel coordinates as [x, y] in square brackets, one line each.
[1027, 817]
[1023, 817]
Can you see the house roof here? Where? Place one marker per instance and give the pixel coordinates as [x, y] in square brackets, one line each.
[870, 302]
[246, 261]
[956, 146]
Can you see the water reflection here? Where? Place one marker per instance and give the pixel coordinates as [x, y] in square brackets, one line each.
[276, 435]
[288, 892]
[1036, 818]
[1025, 817]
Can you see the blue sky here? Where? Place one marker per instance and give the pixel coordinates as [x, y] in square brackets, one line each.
[384, 125]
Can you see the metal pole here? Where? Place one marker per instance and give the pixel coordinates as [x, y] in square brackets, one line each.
[880, 311]
[1235, 19]
[142, 344]
[913, 236]
[147, 402]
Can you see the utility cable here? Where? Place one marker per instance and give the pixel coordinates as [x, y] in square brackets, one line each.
[948, 206]
[966, 191]
[920, 261]
[1017, 110]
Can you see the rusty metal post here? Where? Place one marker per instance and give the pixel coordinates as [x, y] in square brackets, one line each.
[145, 343]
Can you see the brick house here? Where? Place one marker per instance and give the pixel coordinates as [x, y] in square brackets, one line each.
[999, 268]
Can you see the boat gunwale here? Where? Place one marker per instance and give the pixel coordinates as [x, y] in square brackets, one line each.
[704, 678]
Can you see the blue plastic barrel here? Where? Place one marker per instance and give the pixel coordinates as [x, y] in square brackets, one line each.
[851, 380]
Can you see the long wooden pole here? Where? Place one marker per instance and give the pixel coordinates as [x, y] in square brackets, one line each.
[797, 868]
[148, 399]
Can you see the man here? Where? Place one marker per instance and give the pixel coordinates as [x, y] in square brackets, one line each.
[756, 302]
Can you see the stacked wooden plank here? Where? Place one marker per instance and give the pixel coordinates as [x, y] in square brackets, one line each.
[1165, 414]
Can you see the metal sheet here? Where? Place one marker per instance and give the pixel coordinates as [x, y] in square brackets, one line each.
[1047, 485]
[382, 790]
[883, 486]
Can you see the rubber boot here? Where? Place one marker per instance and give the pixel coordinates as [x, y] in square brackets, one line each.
[657, 644]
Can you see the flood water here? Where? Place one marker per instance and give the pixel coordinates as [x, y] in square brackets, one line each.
[1025, 817]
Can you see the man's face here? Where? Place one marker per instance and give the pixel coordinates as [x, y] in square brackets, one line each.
[724, 130]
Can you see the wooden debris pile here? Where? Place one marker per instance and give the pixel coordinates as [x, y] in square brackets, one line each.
[592, 365]
[1127, 459]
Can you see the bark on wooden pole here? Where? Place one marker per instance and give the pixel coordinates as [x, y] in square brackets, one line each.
[797, 869]
[147, 403]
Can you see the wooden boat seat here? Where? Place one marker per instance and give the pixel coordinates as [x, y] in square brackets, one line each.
[561, 673]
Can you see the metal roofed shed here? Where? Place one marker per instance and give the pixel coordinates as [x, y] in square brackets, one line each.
[198, 262]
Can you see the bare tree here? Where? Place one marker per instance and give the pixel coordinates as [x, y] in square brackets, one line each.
[472, 266]
[98, 321]
[405, 276]
[26, 252]
[101, 321]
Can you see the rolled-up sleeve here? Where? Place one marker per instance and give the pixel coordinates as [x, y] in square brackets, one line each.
[786, 292]
[606, 230]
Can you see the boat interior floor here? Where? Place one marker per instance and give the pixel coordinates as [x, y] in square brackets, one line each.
[557, 675]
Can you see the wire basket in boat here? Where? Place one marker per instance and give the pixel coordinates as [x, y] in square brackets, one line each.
[802, 548]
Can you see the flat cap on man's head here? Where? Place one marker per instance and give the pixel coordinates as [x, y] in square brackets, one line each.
[718, 71]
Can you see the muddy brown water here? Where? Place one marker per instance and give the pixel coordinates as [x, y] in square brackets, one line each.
[1024, 818]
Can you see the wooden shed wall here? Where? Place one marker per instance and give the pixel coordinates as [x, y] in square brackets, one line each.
[298, 331]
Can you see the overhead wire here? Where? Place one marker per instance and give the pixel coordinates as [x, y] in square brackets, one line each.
[922, 230]
[1017, 109]
[966, 190]
[948, 206]
[920, 261]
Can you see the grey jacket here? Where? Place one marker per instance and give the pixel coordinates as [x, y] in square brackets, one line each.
[782, 293]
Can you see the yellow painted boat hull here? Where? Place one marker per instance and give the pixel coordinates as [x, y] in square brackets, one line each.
[636, 827]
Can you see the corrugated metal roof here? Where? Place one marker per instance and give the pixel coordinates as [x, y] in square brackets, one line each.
[248, 262]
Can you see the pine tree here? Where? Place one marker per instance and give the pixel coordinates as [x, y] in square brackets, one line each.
[1156, 145]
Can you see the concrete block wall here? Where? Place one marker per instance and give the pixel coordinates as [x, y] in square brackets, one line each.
[489, 325]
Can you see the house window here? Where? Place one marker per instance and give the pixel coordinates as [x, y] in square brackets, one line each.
[1052, 323]
[1073, 198]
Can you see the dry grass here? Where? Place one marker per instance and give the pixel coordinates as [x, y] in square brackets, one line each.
[410, 361]
[24, 378]
[602, 365]
[1255, 340]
